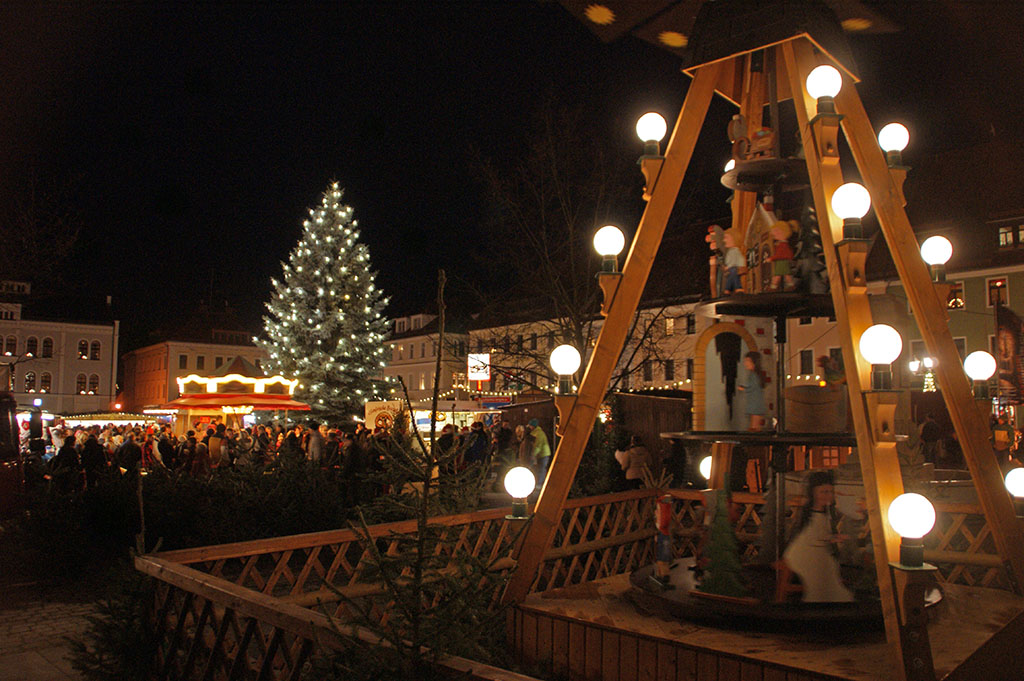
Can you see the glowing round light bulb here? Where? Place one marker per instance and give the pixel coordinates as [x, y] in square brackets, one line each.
[893, 137]
[851, 200]
[911, 515]
[914, 365]
[651, 127]
[881, 344]
[980, 365]
[1015, 482]
[936, 250]
[565, 360]
[705, 467]
[730, 164]
[824, 81]
[519, 482]
[928, 363]
[609, 241]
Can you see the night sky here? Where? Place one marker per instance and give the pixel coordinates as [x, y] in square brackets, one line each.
[193, 137]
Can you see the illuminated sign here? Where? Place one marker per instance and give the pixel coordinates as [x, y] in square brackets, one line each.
[479, 367]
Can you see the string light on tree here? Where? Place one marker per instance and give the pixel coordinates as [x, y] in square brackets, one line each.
[333, 346]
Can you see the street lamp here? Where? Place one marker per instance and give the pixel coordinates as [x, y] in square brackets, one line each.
[651, 129]
[565, 361]
[880, 345]
[851, 202]
[893, 138]
[730, 164]
[936, 251]
[979, 366]
[912, 516]
[609, 242]
[824, 83]
[926, 363]
[519, 483]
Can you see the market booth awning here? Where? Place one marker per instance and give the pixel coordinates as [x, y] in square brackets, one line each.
[257, 401]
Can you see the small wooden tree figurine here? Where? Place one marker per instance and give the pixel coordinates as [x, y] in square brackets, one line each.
[722, 575]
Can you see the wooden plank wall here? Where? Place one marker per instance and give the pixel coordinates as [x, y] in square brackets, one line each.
[581, 651]
[649, 416]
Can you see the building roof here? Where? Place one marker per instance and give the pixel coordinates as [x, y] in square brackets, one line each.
[205, 324]
[68, 309]
[451, 326]
[964, 195]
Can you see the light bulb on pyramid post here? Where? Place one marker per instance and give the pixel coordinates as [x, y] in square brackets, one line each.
[1014, 482]
[519, 482]
[565, 361]
[851, 202]
[609, 242]
[979, 367]
[936, 251]
[651, 129]
[824, 83]
[912, 516]
[893, 139]
[880, 345]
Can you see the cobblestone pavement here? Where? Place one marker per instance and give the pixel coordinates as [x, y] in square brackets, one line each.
[32, 645]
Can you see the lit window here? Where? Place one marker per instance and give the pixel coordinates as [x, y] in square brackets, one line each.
[1006, 236]
[30, 382]
[998, 291]
[955, 300]
[670, 326]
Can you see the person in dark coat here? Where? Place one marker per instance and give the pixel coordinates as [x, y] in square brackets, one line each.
[168, 454]
[65, 467]
[291, 448]
[332, 450]
[129, 456]
[93, 459]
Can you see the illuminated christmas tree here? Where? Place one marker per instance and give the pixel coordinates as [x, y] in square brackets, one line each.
[326, 324]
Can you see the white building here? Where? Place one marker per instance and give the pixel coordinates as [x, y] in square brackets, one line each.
[412, 352]
[69, 366]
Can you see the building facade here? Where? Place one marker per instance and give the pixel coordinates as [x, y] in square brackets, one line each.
[67, 366]
[151, 372]
[412, 356]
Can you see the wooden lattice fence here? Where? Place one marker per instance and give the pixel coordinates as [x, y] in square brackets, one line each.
[256, 610]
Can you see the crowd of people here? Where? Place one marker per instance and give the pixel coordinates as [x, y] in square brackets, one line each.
[81, 454]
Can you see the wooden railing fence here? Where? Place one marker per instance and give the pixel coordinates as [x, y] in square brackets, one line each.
[252, 609]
